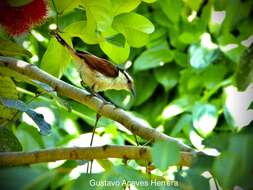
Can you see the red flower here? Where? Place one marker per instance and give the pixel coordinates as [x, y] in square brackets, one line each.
[18, 20]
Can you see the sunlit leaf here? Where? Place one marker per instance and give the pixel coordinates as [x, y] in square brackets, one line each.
[205, 117]
[21, 106]
[122, 6]
[134, 27]
[55, 59]
[201, 57]
[153, 58]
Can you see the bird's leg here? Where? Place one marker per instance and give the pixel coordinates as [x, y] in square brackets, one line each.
[89, 165]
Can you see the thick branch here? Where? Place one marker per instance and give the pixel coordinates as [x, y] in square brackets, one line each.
[80, 95]
[87, 153]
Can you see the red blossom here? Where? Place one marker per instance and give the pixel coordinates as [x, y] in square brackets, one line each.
[18, 20]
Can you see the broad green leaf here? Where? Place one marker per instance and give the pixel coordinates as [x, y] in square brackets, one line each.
[153, 58]
[98, 12]
[8, 141]
[165, 154]
[201, 57]
[141, 80]
[167, 75]
[118, 40]
[244, 73]
[234, 166]
[134, 27]
[123, 6]
[205, 117]
[65, 5]
[117, 54]
[172, 9]
[7, 90]
[55, 59]
[10, 48]
[36, 117]
[81, 30]
[18, 3]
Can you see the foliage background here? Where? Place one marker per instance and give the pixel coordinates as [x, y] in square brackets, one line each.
[188, 58]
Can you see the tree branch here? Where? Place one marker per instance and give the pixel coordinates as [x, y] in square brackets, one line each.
[86, 153]
[80, 95]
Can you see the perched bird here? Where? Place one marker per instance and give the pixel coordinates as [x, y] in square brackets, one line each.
[97, 73]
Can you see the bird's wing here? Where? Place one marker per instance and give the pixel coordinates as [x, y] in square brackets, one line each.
[101, 65]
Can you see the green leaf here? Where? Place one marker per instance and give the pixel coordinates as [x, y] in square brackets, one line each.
[118, 40]
[7, 90]
[167, 75]
[153, 58]
[18, 3]
[122, 6]
[234, 166]
[172, 9]
[201, 57]
[8, 141]
[134, 27]
[98, 12]
[165, 154]
[142, 94]
[36, 117]
[205, 117]
[10, 48]
[55, 59]
[244, 73]
[117, 54]
[85, 32]
[66, 5]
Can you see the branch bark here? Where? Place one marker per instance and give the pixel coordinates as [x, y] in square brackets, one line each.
[86, 153]
[80, 95]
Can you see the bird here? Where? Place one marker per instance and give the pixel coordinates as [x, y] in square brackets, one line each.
[97, 73]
